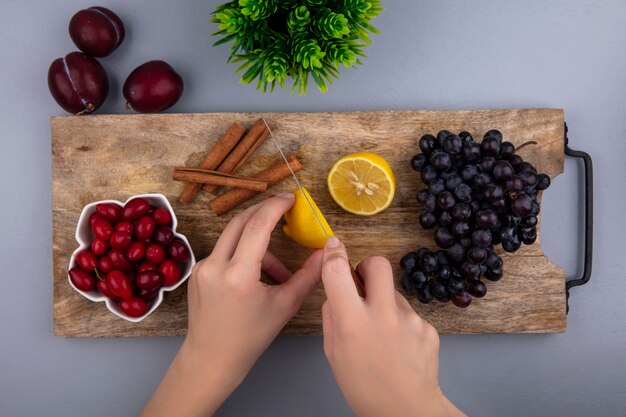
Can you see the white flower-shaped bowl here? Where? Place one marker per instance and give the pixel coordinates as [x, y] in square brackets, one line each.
[84, 237]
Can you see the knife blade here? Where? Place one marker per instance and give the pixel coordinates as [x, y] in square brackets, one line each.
[356, 276]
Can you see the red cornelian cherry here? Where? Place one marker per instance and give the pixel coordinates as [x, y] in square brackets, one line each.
[82, 280]
[178, 251]
[99, 247]
[103, 287]
[105, 265]
[102, 229]
[120, 240]
[119, 284]
[162, 217]
[155, 254]
[148, 295]
[171, 272]
[134, 307]
[144, 228]
[149, 280]
[87, 260]
[119, 259]
[111, 212]
[135, 208]
[163, 235]
[136, 251]
[125, 226]
[147, 266]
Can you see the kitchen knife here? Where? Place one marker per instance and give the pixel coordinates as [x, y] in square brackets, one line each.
[356, 277]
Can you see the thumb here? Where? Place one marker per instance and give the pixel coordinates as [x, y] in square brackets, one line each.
[304, 281]
[336, 275]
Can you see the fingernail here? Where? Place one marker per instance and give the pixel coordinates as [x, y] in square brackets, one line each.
[286, 196]
[333, 243]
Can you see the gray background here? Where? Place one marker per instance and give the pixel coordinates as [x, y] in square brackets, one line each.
[431, 55]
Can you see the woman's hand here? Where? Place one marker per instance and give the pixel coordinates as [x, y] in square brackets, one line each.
[383, 355]
[233, 316]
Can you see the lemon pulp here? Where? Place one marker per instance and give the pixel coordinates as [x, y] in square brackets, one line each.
[362, 183]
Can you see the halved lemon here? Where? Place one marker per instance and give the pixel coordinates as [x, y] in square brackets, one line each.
[301, 224]
[362, 183]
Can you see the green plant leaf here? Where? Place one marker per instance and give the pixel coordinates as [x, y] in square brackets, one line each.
[274, 40]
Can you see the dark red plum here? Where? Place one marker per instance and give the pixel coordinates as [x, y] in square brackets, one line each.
[96, 31]
[78, 83]
[153, 87]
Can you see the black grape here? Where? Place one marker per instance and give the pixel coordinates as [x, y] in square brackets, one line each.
[456, 252]
[476, 255]
[494, 134]
[424, 296]
[418, 162]
[419, 279]
[461, 212]
[444, 238]
[522, 205]
[453, 144]
[428, 143]
[440, 160]
[446, 201]
[471, 152]
[469, 172]
[477, 289]
[514, 184]
[442, 135]
[428, 174]
[502, 171]
[507, 150]
[490, 146]
[422, 195]
[461, 299]
[453, 181]
[486, 164]
[479, 196]
[445, 219]
[438, 290]
[528, 236]
[543, 182]
[408, 285]
[408, 262]
[428, 262]
[455, 286]
[493, 274]
[428, 220]
[437, 186]
[486, 218]
[463, 193]
[460, 229]
[481, 238]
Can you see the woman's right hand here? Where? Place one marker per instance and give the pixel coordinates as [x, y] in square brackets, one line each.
[383, 355]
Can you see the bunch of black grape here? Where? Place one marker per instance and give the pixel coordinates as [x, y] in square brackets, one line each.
[479, 195]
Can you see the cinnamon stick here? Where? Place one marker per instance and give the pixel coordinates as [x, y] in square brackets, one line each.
[214, 158]
[201, 176]
[260, 140]
[244, 149]
[273, 175]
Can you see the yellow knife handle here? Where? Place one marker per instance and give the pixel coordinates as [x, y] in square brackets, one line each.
[358, 281]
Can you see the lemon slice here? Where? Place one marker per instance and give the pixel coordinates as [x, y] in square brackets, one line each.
[302, 226]
[362, 183]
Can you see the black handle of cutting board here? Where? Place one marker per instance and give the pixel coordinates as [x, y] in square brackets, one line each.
[588, 249]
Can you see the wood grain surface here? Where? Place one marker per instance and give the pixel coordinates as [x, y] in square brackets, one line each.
[114, 157]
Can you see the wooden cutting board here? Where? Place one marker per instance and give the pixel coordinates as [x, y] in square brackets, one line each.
[114, 157]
